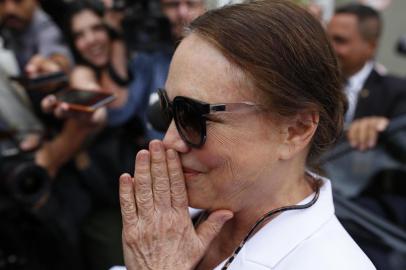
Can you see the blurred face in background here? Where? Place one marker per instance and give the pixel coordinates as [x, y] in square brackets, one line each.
[352, 49]
[17, 14]
[91, 38]
[181, 12]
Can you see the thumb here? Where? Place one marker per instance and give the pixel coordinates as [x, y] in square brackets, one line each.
[212, 226]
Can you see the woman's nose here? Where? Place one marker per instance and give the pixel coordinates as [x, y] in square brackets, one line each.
[172, 140]
[183, 10]
[89, 38]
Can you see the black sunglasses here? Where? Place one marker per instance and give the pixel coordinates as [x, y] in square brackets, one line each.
[190, 115]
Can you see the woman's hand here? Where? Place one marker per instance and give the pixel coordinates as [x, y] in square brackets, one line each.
[157, 230]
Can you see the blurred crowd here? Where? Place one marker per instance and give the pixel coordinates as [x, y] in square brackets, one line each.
[59, 164]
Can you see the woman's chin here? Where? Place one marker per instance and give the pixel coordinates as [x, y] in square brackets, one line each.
[195, 199]
[99, 62]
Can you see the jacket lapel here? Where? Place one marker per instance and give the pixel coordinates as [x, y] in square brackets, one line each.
[368, 95]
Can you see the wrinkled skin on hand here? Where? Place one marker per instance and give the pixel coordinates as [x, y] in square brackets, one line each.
[363, 133]
[157, 230]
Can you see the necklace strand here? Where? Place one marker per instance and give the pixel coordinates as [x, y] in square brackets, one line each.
[264, 218]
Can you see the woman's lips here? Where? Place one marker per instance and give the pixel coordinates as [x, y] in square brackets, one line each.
[187, 172]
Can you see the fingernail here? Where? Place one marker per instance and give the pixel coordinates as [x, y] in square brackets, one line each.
[155, 147]
[142, 156]
[126, 178]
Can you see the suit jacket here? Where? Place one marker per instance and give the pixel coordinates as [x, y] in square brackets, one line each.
[382, 95]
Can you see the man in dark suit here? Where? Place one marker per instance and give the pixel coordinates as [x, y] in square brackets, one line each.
[374, 97]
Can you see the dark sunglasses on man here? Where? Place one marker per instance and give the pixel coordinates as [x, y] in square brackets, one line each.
[190, 115]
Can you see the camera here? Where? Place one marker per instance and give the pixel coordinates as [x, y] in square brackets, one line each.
[21, 180]
[120, 5]
[144, 26]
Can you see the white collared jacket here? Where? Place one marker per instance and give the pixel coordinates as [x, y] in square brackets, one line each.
[309, 239]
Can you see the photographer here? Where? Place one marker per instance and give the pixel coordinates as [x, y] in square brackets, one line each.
[33, 37]
[38, 46]
[36, 178]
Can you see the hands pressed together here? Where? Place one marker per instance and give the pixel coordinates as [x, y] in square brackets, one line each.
[157, 230]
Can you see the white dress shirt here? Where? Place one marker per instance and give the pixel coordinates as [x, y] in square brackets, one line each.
[309, 239]
[354, 85]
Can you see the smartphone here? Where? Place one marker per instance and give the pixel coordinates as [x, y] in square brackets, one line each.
[47, 83]
[84, 100]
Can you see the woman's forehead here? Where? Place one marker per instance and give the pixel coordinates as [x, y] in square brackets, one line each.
[199, 70]
[85, 18]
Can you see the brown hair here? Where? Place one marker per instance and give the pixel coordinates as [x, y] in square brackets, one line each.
[285, 52]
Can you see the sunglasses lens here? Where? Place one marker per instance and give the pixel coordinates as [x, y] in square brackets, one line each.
[165, 111]
[190, 123]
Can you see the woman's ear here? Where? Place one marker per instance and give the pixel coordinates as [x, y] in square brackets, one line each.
[298, 133]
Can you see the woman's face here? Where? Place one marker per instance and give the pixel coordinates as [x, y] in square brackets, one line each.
[90, 37]
[241, 147]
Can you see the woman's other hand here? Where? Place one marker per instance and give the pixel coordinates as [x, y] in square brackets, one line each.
[157, 230]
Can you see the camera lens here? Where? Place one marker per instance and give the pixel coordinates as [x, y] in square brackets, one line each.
[26, 182]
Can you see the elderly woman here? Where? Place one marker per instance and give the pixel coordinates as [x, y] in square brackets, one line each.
[254, 96]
